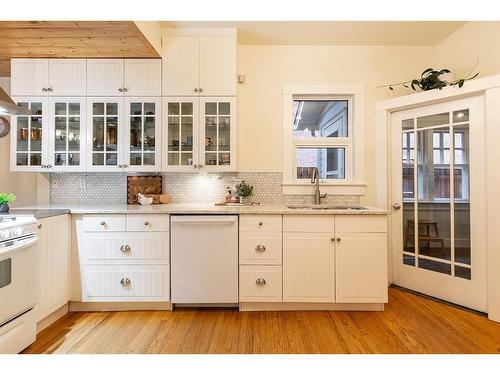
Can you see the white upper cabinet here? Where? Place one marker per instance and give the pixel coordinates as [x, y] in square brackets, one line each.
[118, 77]
[67, 77]
[217, 65]
[181, 66]
[105, 77]
[142, 77]
[48, 77]
[199, 65]
[29, 77]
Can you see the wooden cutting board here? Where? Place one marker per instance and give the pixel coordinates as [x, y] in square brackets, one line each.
[147, 185]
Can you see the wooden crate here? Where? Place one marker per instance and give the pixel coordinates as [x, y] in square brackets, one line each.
[147, 185]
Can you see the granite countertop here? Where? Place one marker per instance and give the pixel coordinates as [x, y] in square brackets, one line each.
[190, 208]
[39, 213]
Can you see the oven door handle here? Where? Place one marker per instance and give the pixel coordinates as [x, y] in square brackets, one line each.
[22, 245]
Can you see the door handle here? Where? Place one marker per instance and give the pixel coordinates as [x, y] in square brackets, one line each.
[396, 206]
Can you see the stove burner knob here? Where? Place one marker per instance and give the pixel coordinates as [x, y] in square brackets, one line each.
[17, 232]
[4, 234]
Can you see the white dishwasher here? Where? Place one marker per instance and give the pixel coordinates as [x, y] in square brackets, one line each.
[204, 259]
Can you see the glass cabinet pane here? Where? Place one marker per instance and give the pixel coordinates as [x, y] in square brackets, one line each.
[29, 135]
[105, 133]
[67, 123]
[180, 124]
[217, 128]
[142, 123]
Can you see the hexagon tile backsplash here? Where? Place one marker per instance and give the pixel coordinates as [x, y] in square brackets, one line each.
[111, 188]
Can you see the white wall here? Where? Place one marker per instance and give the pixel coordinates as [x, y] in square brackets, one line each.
[268, 68]
[23, 185]
[474, 40]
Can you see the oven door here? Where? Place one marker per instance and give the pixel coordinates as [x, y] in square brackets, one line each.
[18, 277]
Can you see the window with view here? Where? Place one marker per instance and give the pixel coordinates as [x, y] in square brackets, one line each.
[320, 138]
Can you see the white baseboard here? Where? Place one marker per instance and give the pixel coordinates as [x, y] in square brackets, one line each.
[118, 306]
[48, 320]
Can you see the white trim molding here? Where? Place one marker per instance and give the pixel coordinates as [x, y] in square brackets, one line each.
[488, 89]
[353, 184]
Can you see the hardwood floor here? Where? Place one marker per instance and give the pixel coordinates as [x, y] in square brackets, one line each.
[410, 324]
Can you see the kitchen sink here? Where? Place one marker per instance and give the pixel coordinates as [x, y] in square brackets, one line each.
[325, 207]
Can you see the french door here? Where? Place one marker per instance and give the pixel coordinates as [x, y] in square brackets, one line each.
[438, 198]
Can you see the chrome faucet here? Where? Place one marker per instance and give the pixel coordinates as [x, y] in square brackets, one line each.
[315, 179]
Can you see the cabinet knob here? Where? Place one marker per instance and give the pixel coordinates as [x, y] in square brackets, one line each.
[195, 90]
[201, 90]
[339, 239]
[396, 206]
[102, 223]
[125, 281]
[44, 89]
[260, 248]
[332, 239]
[120, 89]
[260, 281]
[146, 223]
[261, 223]
[50, 89]
[124, 248]
[125, 89]
[195, 165]
[200, 165]
[39, 226]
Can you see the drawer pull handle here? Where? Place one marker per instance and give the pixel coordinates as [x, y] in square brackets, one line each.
[261, 223]
[102, 223]
[260, 281]
[125, 281]
[125, 248]
[146, 223]
[260, 248]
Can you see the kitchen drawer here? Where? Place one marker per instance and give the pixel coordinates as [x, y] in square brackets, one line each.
[126, 247]
[360, 223]
[308, 223]
[126, 283]
[148, 223]
[260, 223]
[104, 223]
[270, 288]
[260, 248]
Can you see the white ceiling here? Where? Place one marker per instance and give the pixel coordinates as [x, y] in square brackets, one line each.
[412, 33]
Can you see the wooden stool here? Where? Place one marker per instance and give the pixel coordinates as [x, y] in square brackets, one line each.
[426, 235]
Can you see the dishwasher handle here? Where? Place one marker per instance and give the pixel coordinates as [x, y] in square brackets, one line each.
[203, 219]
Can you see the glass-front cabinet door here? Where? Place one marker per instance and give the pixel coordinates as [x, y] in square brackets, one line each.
[29, 137]
[66, 134]
[180, 134]
[143, 134]
[217, 133]
[104, 133]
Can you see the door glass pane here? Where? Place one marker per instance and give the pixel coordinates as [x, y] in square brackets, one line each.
[60, 109]
[434, 210]
[187, 133]
[98, 109]
[187, 158]
[111, 158]
[320, 118]
[173, 158]
[98, 159]
[187, 109]
[74, 134]
[22, 159]
[211, 158]
[135, 158]
[135, 133]
[98, 134]
[224, 133]
[210, 109]
[135, 109]
[74, 158]
[433, 120]
[462, 188]
[60, 159]
[461, 116]
[149, 109]
[74, 109]
[210, 133]
[36, 159]
[111, 109]
[60, 134]
[111, 134]
[432, 265]
[22, 133]
[173, 109]
[149, 159]
[149, 134]
[408, 214]
[330, 162]
[462, 272]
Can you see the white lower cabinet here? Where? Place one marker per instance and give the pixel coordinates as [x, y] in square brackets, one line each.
[54, 277]
[308, 267]
[125, 258]
[260, 284]
[126, 283]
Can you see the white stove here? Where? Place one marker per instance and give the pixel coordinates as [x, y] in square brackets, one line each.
[18, 282]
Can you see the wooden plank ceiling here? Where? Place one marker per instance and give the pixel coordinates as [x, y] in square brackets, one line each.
[71, 39]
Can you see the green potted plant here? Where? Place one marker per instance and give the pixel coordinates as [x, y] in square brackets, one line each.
[244, 191]
[5, 199]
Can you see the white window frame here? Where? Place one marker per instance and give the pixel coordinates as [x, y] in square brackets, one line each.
[353, 183]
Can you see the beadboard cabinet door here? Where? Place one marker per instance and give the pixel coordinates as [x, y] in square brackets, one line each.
[105, 77]
[217, 66]
[181, 66]
[29, 77]
[67, 77]
[54, 278]
[308, 267]
[142, 77]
